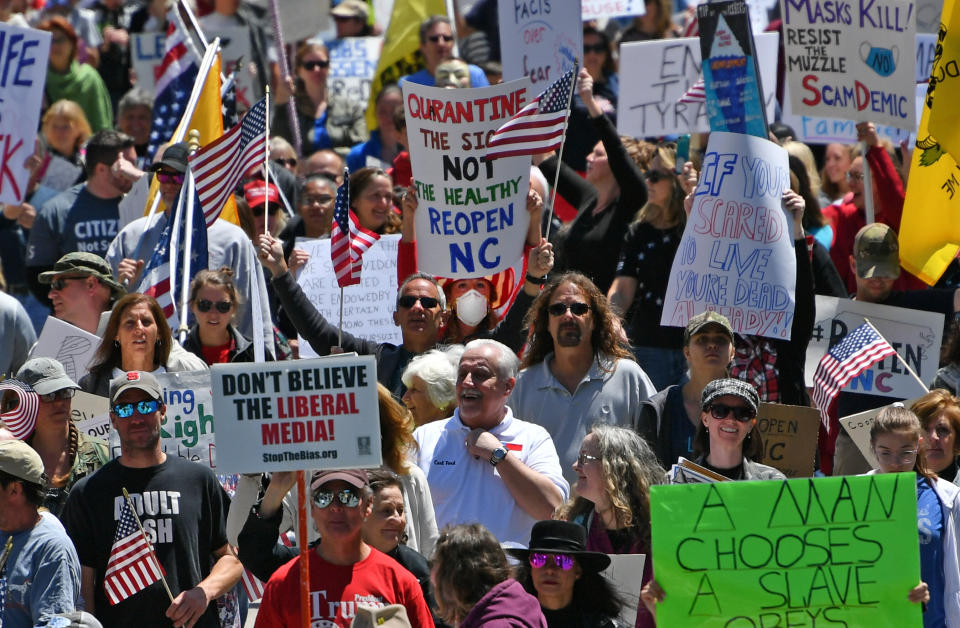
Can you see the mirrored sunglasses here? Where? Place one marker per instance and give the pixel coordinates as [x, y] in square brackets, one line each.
[222, 306]
[563, 561]
[145, 407]
[348, 497]
[170, 177]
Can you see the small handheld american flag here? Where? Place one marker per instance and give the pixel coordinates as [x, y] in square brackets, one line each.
[22, 419]
[539, 126]
[132, 565]
[349, 240]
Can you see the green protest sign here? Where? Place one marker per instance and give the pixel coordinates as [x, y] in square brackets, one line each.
[807, 552]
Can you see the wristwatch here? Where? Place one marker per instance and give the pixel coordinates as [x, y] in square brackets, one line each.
[498, 454]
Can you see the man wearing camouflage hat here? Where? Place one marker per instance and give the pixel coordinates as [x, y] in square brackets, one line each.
[81, 288]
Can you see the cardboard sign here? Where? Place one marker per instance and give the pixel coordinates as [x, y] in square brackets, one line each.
[852, 60]
[914, 334]
[71, 346]
[539, 40]
[305, 414]
[146, 54]
[789, 437]
[23, 56]
[788, 552]
[472, 219]
[367, 308]
[625, 573]
[353, 62]
[661, 71]
[596, 9]
[91, 413]
[736, 256]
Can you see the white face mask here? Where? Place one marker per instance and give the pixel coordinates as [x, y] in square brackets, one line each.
[471, 308]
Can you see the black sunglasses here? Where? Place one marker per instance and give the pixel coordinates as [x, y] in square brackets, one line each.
[60, 283]
[656, 176]
[289, 163]
[597, 48]
[721, 411]
[577, 308]
[222, 306]
[409, 300]
[63, 393]
[436, 38]
[313, 65]
[348, 498]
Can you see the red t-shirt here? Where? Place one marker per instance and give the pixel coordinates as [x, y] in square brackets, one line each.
[335, 590]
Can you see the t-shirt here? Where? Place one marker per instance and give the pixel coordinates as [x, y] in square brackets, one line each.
[930, 528]
[336, 590]
[184, 512]
[423, 77]
[42, 575]
[74, 220]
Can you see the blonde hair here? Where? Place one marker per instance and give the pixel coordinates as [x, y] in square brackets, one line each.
[70, 110]
[802, 152]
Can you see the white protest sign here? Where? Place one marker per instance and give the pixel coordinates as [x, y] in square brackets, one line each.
[302, 19]
[472, 219]
[368, 307]
[928, 15]
[539, 40]
[353, 62]
[187, 428]
[625, 573]
[60, 174]
[736, 255]
[597, 9]
[23, 56]
[852, 60]
[69, 345]
[915, 335]
[91, 413]
[304, 414]
[659, 74]
[235, 47]
[146, 53]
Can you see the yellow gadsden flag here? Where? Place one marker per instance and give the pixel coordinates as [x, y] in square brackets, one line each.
[930, 228]
[401, 47]
[945, 76]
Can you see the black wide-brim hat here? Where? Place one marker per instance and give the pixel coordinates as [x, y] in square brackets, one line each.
[562, 537]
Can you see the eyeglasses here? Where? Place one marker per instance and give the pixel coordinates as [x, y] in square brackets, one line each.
[721, 411]
[436, 38]
[656, 176]
[317, 200]
[310, 66]
[597, 48]
[348, 498]
[222, 306]
[60, 283]
[143, 408]
[290, 162]
[63, 393]
[576, 308]
[563, 561]
[892, 458]
[854, 176]
[409, 300]
[583, 459]
[170, 177]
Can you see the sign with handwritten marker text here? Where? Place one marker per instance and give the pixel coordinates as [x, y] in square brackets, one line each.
[806, 552]
[146, 54]
[596, 9]
[353, 62]
[540, 40]
[736, 256]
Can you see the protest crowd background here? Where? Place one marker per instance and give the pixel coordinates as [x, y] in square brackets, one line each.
[470, 313]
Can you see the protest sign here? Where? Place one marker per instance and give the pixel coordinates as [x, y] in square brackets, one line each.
[307, 414]
[731, 78]
[59, 173]
[236, 52]
[353, 62]
[625, 573]
[789, 437]
[472, 219]
[597, 9]
[915, 335]
[146, 54]
[736, 255]
[302, 19]
[539, 40]
[928, 15]
[368, 308]
[23, 55]
[661, 71]
[852, 60]
[71, 346]
[839, 551]
[91, 413]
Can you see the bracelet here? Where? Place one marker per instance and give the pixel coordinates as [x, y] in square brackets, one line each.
[537, 280]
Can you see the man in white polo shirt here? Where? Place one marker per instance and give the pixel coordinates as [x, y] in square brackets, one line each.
[483, 464]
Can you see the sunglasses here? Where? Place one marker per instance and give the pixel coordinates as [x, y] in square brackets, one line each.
[597, 48]
[289, 163]
[409, 300]
[720, 411]
[656, 176]
[315, 65]
[222, 306]
[170, 177]
[348, 497]
[60, 283]
[576, 308]
[64, 393]
[583, 459]
[437, 38]
[563, 561]
[143, 408]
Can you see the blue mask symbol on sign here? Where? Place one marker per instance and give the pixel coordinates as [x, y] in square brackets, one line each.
[883, 61]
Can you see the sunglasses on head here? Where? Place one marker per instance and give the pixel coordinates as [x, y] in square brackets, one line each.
[61, 282]
[170, 177]
[290, 162]
[656, 176]
[563, 561]
[577, 308]
[348, 498]
[409, 300]
[436, 38]
[314, 65]
[63, 393]
[143, 408]
[597, 48]
[721, 411]
[222, 306]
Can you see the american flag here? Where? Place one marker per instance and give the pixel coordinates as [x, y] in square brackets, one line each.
[538, 127]
[252, 585]
[132, 567]
[219, 165]
[859, 350]
[228, 102]
[175, 77]
[695, 93]
[22, 419]
[349, 241]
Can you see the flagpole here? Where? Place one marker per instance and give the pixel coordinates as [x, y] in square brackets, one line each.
[902, 361]
[340, 326]
[153, 554]
[193, 21]
[867, 186]
[282, 53]
[189, 208]
[266, 166]
[304, 549]
[563, 140]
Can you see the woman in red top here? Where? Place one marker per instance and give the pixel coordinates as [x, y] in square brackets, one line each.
[213, 337]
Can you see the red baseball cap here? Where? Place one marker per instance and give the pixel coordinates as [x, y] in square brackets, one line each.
[255, 193]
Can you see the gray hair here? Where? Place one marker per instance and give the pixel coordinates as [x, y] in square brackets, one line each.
[441, 297]
[508, 365]
[438, 370]
[135, 97]
[430, 22]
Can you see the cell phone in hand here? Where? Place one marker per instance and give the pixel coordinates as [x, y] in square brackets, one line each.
[683, 153]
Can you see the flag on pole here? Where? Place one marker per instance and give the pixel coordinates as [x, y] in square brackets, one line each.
[252, 585]
[538, 127]
[860, 349]
[228, 102]
[132, 567]
[349, 241]
[943, 77]
[175, 77]
[220, 165]
[23, 419]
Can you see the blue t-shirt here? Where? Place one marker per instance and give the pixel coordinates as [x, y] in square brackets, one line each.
[930, 527]
[423, 77]
[74, 220]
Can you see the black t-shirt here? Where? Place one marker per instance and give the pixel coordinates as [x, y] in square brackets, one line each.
[184, 512]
